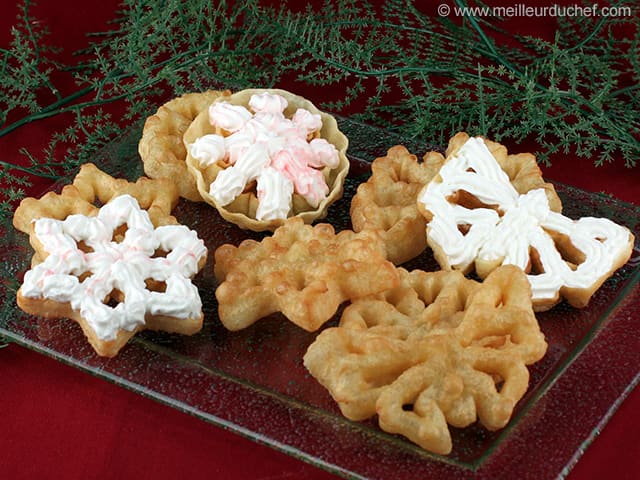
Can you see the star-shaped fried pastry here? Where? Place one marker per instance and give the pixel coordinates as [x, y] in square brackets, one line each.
[110, 268]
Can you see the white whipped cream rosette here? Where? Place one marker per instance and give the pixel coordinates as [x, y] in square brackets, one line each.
[260, 156]
[478, 220]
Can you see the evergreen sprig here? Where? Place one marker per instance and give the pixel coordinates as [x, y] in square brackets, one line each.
[424, 76]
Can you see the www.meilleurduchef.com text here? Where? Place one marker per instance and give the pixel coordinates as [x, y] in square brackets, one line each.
[524, 10]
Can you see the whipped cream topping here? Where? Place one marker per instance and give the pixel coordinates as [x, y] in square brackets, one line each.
[85, 278]
[209, 149]
[508, 225]
[274, 195]
[262, 141]
[267, 103]
[228, 117]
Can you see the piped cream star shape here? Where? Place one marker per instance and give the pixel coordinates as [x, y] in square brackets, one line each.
[478, 219]
[90, 260]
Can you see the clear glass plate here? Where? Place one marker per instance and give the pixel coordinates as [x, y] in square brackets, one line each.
[253, 381]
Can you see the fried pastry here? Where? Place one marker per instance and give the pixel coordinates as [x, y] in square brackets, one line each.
[261, 156]
[437, 350]
[485, 209]
[161, 148]
[305, 272]
[109, 255]
[387, 201]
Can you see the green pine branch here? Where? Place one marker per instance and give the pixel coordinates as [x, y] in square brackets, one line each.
[423, 76]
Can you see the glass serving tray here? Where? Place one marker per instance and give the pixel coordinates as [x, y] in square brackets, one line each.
[253, 381]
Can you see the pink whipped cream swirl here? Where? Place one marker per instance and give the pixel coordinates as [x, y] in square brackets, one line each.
[285, 151]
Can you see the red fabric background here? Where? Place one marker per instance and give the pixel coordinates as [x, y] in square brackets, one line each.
[58, 422]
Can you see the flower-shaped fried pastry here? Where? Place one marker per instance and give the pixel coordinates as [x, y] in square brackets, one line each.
[387, 201]
[161, 148]
[439, 349]
[478, 218]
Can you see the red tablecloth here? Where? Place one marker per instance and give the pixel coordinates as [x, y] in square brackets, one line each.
[58, 422]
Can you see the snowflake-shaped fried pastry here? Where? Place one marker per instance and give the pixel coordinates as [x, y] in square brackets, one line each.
[478, 219]
[114, 272]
